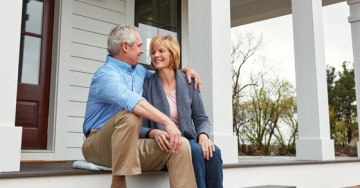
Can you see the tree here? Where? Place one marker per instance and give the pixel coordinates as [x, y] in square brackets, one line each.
[272, 101]
[244, 49]
[342, 107]
[289, 118]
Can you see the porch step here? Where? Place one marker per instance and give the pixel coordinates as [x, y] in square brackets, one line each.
[272, 186]
[61, 173]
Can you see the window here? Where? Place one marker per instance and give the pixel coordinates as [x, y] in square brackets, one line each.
[157, 17]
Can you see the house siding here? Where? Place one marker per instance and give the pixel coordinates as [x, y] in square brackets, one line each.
[91, 22]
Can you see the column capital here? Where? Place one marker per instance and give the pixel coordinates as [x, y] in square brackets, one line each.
[349, 2]
[354, 18]
[354, 6]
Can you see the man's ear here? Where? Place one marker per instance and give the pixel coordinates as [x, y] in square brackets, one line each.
[124, 46]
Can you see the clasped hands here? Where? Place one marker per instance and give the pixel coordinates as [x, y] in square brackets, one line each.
[164, 142]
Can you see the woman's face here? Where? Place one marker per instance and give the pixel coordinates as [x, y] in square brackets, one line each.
[160, 57]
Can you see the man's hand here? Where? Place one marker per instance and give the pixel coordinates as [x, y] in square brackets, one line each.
[174, 135]
[207, 146]
[190, 73]
[161, 138]
[146, 110]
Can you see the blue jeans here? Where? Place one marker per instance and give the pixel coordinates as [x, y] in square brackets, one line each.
[208, 173]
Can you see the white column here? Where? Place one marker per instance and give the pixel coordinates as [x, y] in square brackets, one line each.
[10, 136]
[313, 114]
[209, 55]
[354, 20]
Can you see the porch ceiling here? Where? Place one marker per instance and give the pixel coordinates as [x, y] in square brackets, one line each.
[249, 11]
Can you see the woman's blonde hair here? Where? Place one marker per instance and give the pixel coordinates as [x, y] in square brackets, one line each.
[171, 44]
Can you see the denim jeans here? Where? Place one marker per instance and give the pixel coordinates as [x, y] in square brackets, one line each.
[208, 173]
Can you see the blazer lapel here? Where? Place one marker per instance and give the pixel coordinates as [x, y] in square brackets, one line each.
[181, 98]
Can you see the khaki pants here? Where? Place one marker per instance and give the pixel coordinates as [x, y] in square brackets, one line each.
[117, 145]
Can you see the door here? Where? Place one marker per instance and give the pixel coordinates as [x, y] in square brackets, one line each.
[32, 105]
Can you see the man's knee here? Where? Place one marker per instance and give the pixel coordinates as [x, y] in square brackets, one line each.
[185, 145]
[128, 117]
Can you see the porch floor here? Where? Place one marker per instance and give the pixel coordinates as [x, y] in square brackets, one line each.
[55, 168]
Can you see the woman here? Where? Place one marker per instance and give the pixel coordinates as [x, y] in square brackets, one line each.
[168, 91]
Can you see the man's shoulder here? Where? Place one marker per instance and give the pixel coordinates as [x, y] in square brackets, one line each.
[107, 67]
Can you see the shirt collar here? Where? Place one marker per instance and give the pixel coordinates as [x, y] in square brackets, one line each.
[120, 64]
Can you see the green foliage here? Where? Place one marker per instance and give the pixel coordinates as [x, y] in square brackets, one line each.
[342, 104]
[339, 134]
[271, 105]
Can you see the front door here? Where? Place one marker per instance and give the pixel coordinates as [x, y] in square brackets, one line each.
[34, 72]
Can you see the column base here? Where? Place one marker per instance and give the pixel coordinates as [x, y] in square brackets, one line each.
[315, 149]
[228, 147]
[10, 148]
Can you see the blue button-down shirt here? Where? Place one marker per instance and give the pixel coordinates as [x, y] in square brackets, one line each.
[115, 86]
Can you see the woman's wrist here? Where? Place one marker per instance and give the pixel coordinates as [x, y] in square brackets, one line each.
[202, 136]
[152, 133]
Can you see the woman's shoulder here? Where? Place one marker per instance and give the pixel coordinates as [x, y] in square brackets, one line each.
[181, 77]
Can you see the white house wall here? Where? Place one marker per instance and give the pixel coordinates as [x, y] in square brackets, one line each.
[92, 21]
[81, 39]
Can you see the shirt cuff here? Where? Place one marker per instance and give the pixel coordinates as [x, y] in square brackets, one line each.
[133, 101]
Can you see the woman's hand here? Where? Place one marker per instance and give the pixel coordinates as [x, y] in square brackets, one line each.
[207, 146]
[161, 138]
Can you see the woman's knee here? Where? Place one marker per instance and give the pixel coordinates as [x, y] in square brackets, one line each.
[217, 154]
[195, 149]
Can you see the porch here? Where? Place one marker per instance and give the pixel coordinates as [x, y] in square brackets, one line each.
[280, 171]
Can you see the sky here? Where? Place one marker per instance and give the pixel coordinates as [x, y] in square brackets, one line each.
[279, 43]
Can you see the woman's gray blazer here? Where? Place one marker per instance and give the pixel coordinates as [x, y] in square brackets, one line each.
[192, 116]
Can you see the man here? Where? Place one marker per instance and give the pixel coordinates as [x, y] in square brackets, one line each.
[114, 112]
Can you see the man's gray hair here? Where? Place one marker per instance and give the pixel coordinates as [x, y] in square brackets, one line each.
[119, 35]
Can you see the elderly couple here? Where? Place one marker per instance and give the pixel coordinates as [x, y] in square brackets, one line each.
[138, 121]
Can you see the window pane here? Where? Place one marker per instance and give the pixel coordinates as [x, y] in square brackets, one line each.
[32, 16]
[147, 33]
[159, 13]
[29, 65]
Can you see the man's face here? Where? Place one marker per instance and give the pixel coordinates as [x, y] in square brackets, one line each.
[135, 51]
